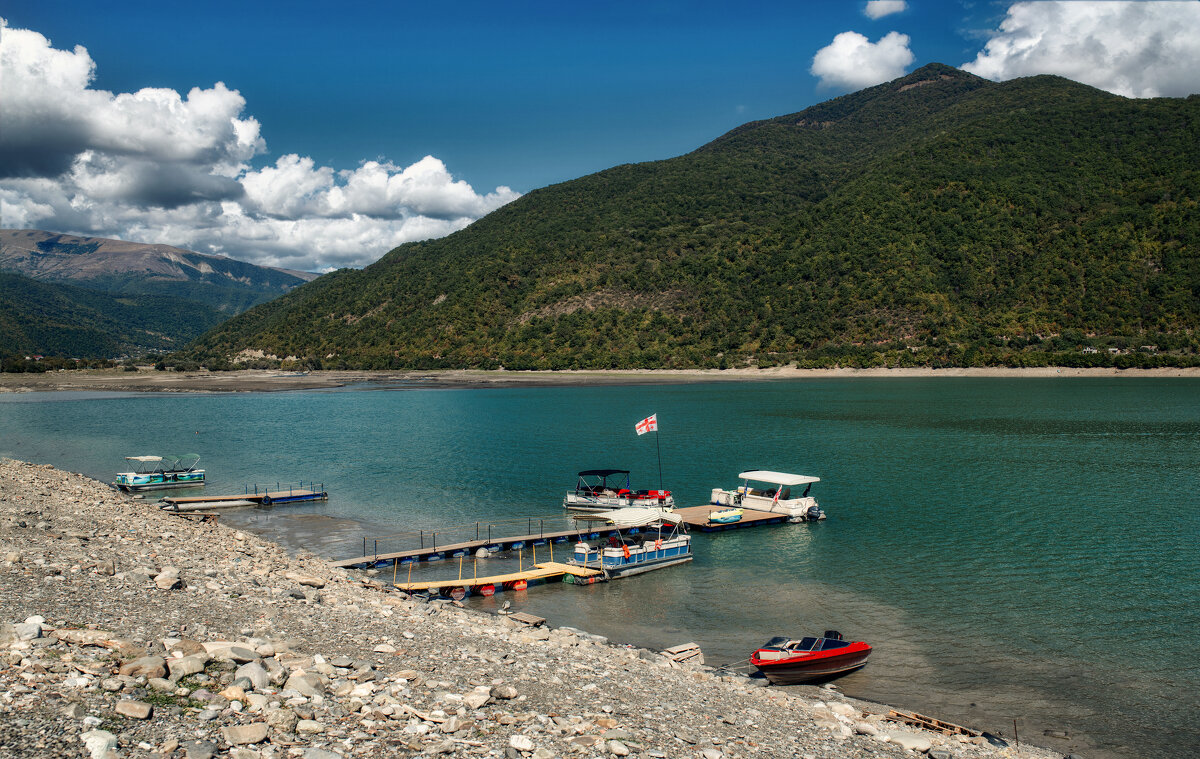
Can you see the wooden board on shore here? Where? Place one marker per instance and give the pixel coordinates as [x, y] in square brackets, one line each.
[929, 723]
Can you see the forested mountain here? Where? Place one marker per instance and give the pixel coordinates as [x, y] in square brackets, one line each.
[939, 218]
[73, 322]
[121, 267]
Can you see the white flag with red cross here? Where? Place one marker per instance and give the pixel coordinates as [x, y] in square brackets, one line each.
[649, 424]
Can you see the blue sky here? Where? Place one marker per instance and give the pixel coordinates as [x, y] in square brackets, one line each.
[504, 97]
[519, 94]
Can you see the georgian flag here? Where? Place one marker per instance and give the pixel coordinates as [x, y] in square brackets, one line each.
[649, 424]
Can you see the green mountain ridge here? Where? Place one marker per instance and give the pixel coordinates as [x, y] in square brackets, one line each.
[940, 218]
[60, 320]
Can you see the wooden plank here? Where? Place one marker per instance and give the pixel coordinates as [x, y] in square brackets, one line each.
[685, 652]
[527, 619]
[197, 516]
[929, 723]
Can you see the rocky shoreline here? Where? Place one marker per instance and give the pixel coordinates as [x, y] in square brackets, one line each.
[126, 631]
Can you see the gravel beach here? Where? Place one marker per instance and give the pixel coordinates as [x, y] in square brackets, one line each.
[146, 380]
[126, 631]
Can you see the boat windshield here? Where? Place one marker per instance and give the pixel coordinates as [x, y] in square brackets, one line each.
[828, 644]
[805, 644]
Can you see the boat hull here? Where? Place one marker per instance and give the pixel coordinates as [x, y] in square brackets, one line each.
[625, 560]
[796, 509]
[648, 566]
[133, 485]
[806, 669]
[599, 504]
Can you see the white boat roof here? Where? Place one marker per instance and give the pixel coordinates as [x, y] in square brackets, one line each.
[632, 517]
[143, 458]
[778, 478]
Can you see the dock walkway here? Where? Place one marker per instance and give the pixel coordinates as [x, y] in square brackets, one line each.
[696, 517]
[256, 498]
[544, 571]
[459, 540]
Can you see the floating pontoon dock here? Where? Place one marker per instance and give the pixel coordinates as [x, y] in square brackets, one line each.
[252, 497]
[460, 540]
[540, 573]
[696, 517]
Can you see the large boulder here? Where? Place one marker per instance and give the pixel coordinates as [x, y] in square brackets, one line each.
[147, 666]
[306, 684]
[242, 735]
[187, 665]
[255, 673]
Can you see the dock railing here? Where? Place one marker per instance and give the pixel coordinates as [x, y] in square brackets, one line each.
[286, 487]
[497, 531]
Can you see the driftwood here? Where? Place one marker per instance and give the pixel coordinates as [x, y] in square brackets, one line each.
[929, 723]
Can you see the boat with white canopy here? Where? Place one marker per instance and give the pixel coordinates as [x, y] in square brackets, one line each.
[764, 490]
[158, 472]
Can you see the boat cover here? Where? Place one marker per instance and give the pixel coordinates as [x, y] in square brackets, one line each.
[778, 478]
[632, 517]
[602, 472]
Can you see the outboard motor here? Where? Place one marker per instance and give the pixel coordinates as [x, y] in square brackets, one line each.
[814, 513]
[832, 635]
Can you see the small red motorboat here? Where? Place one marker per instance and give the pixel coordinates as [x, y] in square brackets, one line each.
[788, 661]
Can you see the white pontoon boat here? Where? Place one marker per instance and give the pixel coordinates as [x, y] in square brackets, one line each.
[763, 490]
[602, 490]
[659, 541]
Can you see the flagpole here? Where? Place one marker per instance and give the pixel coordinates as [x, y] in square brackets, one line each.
[659, 447]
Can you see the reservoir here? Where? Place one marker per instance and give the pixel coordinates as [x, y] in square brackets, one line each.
[1014, 549]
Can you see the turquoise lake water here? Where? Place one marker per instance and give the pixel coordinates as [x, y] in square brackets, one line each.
[1022, 549]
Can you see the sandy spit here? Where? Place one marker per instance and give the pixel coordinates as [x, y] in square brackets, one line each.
[253, 380]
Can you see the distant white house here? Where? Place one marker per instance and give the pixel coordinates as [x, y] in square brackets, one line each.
[1089, 349]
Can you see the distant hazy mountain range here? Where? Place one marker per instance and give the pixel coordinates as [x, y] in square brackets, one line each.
[89, 297]
[132, 268]
[940, 219]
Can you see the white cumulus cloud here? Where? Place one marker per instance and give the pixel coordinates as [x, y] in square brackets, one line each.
[881, 8]
[1136, 49]
[852, 61]
[157, 166]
